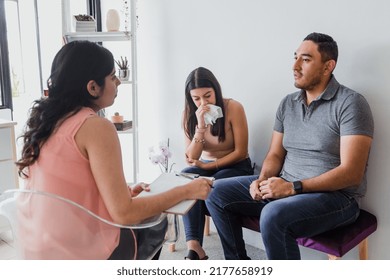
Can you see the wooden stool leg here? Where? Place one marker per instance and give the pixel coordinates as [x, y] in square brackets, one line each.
[171, 247]
[207, 226]
[173, 232]
[363, 250]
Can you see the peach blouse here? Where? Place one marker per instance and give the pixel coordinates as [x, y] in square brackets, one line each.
[63, 170]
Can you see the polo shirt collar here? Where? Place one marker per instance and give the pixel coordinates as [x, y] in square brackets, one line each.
[328, 93]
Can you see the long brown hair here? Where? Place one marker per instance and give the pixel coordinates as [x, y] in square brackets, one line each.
[202, 78]
[73, 67]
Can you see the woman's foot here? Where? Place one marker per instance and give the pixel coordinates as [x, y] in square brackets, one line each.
[192, 255]
[195, 251]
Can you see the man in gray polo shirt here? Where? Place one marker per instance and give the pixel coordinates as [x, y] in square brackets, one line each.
[314, 174]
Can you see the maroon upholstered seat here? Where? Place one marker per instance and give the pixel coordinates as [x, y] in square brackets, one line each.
[337, 242]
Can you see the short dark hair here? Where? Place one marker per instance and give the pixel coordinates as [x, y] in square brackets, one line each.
[326, 45]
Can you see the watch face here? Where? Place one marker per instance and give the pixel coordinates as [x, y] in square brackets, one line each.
[297, 186]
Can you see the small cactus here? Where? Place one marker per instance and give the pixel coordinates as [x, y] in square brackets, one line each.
[81, 17]
[123, 63]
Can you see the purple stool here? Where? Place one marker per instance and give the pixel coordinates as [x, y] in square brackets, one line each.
[337, 242]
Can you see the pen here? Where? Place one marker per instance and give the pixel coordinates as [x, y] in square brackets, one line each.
[194, 176]
[187, 176]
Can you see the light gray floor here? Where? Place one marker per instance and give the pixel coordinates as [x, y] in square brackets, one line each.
[212, 246]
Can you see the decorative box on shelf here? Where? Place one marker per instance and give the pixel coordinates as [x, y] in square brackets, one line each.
[84, 23]
[125, 125]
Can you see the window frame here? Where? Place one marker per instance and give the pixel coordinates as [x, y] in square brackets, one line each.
[5, 76]
[94, 9]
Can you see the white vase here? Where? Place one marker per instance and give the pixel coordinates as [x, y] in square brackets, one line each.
[112, 20]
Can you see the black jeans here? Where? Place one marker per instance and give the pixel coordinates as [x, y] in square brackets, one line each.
[149, 242]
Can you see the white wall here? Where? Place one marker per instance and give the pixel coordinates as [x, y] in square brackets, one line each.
[249, 45]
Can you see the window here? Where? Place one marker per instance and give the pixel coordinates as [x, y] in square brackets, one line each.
[30, 36]
[14, 47]
[5, 82]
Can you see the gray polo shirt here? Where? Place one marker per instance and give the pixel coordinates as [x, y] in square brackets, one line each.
[312, 133]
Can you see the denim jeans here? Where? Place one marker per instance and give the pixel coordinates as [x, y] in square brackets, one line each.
[194, 220]
[282, 221]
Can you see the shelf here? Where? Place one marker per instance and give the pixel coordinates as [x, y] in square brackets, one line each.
[6, 123]
[119, 43]
[97, 36]
[127, 131]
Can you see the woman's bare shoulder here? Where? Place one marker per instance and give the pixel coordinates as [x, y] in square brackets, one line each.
[233, 105]
[97, 127]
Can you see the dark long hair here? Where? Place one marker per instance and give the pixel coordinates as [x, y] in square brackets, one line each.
[73, 67]
[202, 78]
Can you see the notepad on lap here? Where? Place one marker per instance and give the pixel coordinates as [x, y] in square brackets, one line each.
[167, 181]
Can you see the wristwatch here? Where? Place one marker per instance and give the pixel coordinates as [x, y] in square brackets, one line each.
[297, 186]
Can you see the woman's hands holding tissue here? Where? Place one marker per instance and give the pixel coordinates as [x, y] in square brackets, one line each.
[200, 113]
[208, 114]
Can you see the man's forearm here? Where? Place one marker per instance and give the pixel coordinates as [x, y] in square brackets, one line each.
[271, 167]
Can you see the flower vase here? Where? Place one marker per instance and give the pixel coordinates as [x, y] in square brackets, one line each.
[112, 20]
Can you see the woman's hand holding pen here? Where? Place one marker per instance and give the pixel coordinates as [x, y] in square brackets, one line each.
[199, 188]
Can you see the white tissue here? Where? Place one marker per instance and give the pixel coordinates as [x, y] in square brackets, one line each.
[211, 116]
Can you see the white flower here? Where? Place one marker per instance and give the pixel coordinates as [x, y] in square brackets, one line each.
[161, 157]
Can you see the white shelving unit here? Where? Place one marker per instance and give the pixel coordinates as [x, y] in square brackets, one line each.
[111, 38]
[8, 173]
[9, 177]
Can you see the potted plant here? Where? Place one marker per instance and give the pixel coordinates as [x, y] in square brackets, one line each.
[123, 71]
[84, 23]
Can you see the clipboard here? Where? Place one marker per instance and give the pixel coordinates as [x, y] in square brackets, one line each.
[165, 182]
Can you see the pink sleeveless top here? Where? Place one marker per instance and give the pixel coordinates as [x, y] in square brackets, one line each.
[63, 170]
